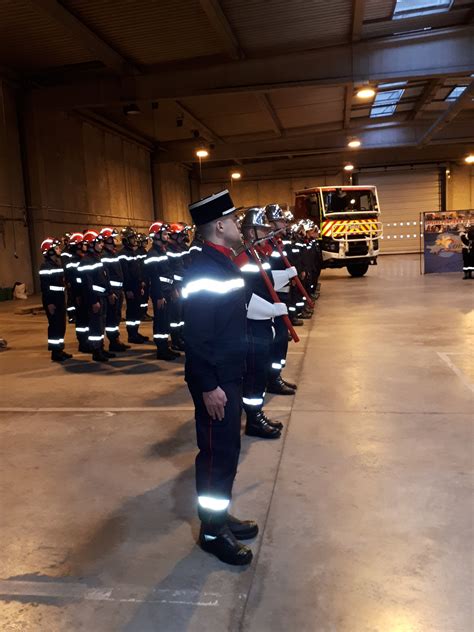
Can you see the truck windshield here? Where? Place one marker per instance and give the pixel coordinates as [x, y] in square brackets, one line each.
[349, 200]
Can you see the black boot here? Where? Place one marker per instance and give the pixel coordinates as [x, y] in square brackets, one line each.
[225, 546]
[289, 384]
[84, 348]
[242, 529]
[98, 356]
[66, 356]
[466, 275]
[57, 356]
[177, 343]
[163, 352]
[274, 424]
[296, 322]
[278, 387]
[116, 345]
[257, 426]
[107, 354]
[307, 314]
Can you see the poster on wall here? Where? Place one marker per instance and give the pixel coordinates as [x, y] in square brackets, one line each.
[442, 237]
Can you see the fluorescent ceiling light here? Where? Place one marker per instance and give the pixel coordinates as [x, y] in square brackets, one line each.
[412, 8]
[455, 93]
[385, 103]
[397, 84]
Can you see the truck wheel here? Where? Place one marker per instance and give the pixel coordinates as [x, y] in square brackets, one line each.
[357, 269]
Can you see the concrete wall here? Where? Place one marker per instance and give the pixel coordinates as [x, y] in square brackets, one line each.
[266, 191]
[172, 188]
[460, 188]
[15, 263]
[84, 176]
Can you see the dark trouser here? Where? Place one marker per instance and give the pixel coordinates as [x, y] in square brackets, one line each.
[218, 443]
[132, 315]
[467, 261]
[82, 321]
[176, 318]
[56, 325]
[279, 348]
[113, 315]
[144, 300]
[95, 338]
[71, 307]
[161, 323]
[260, 339]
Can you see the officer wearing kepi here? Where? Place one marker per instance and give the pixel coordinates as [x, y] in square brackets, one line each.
[215, 338]
[54, 301]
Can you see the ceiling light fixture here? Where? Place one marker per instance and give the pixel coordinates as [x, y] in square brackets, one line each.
[349, 167]
[236, 175]
[365, 93]
[202, 153]
[469, 159]
[353, 144]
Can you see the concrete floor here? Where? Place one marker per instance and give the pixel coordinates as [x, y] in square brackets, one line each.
[365, 504]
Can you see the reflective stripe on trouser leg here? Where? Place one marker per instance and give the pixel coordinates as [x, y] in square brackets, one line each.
[279, 347]
[132, 316]
[56, 326]
[219, 449]
[112, 319]
[260, 340]
[95, 337]
[161, 324]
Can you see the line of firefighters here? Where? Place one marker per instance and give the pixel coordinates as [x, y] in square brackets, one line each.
[86, 279]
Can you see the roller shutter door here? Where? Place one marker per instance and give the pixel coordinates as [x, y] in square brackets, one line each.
[403, 196]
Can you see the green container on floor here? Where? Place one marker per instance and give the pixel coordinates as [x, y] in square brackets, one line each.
[6, 293]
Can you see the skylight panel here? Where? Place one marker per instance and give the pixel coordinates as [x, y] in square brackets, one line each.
[455, 93]
[385, 103]
[413, 8]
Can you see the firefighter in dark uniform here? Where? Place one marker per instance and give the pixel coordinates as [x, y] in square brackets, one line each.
[95, 290]
[54, 301]
[160, 280]
[261, 312]
[276, 383]
[177, 254]
[215, 338]
[70, 264]
[132, 285]
[113, 307]
[142, 243]
[467, 238]
[66, 256]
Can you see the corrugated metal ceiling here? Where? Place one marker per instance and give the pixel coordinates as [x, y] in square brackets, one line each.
[269, 25]
[150, 31]
[30, 40]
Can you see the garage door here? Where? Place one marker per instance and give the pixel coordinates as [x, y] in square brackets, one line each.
[403, 196]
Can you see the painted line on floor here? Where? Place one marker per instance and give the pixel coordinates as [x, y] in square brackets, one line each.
[142, 409]
[121, 594]
[461, 375]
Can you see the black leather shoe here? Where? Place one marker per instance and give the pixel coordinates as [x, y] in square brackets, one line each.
[137, 340]
[225, 547]
[98, 356]
[307, 314]
[274, 424]
[242, 529]
[289, 384]
[278, 387]
[107, 354]
[177, 344]
[66, 356]
[257, 426]
[118, 346]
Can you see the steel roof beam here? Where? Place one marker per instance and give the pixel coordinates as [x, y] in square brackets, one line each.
[222, 27]
[437, 53]
[424, 99]
[267, 107]
[358, 7]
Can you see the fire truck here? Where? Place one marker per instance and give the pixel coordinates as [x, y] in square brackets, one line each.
[348, 218]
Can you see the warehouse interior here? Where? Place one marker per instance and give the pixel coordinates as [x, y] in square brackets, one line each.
[365, 501]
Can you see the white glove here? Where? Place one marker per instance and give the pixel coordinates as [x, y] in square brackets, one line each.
[292, 272]
[279, 309]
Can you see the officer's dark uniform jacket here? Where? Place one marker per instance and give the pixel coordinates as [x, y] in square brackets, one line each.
[131, 268]
[158, 272]
[71, 275]
[215, 320]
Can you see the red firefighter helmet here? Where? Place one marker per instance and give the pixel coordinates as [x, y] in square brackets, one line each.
[76, 239]
[157, 227]
[108, 232]
[48, 245]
